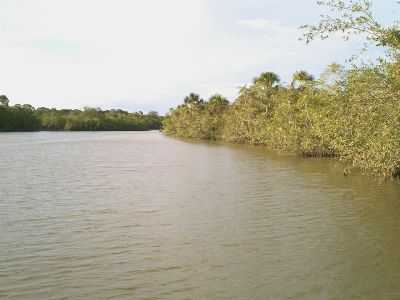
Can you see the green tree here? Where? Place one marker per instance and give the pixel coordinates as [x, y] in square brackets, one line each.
[4, 100]
[353, 17]
[193, 99]
[301, 78]
[217, 100]
[269, 79]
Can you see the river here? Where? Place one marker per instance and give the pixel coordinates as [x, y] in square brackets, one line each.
[137, 215]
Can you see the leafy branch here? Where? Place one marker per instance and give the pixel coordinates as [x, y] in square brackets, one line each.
[349, 18]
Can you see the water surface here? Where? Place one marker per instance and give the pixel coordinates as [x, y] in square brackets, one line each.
[130, 215]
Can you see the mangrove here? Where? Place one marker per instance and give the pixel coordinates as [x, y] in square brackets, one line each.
[27, 118]
[352, 113]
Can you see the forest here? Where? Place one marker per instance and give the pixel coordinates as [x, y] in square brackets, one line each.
[349, 113]
[27, 118]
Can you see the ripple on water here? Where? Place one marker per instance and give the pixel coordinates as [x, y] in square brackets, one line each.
[141, 216]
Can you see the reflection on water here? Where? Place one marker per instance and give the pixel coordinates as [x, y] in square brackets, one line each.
[142, 216]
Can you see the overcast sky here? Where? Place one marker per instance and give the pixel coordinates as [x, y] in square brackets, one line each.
[148, 54]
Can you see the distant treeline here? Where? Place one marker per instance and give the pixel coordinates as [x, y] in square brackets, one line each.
[27, 118]
[352, 114]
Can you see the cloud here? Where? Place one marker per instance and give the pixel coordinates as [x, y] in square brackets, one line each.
[271, 28]
[257, 24]
[74, 53]
[145, 54]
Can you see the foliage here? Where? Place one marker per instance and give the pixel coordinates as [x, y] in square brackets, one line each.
[18, 117]
[27, 118]
[351, 18]
[352, 114]
[197, 119]
[4, 100]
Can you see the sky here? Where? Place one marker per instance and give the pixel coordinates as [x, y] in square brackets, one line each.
[148, 54]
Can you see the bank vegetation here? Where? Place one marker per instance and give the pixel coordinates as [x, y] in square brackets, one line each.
[27, 118]
[352, 114]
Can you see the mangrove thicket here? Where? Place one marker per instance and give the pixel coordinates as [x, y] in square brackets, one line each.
[27, 118]
[349, 113]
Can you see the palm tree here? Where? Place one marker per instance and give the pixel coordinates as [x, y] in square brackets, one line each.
[4, 100]
[218, 100]
[193, 99]
[301, 77]
[268, 79]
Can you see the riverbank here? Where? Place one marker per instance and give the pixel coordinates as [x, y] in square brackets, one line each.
[352, 115]
[27, 118]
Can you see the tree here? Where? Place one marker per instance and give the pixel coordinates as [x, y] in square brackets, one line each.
[4, 100]
[193, 99]
[300, 78]
[267, 78]
[153, 113]
[333, 74]
[353, 17]
[217, 100]
[352, 114]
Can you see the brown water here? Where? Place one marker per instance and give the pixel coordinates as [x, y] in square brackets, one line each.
[141, 216]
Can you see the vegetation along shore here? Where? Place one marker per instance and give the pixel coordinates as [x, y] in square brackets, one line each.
[27, 118]
[350, 113]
